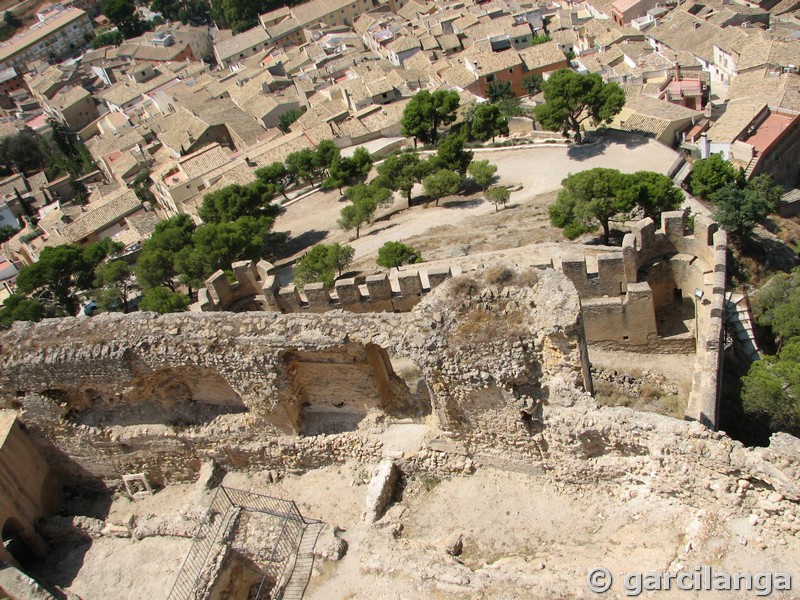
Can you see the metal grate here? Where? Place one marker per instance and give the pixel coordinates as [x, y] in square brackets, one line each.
[227, 503]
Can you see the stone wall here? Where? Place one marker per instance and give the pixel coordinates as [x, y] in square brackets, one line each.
[29, 488]
[621, 297]
[256, 288]
[161, 394]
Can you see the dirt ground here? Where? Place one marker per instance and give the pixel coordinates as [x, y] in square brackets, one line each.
[469, 224]
[541, 536]
[539, 543]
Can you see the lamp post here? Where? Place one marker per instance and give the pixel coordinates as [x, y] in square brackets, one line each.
[698, 295]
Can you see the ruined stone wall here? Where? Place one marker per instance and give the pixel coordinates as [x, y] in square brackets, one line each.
[256, 288]
[620, 297]
[160, 394]
[29, 489]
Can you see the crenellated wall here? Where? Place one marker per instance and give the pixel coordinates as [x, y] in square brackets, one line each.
[621, 297]
[119, 393]
[256, 288]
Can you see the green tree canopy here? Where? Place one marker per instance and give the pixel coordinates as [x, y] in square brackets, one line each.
[441, 183]
[19, 307]
[498, 196]
[542, 38]
[25, 151]
[188, 12]
[156, 265]
[396, 254]
[533, 84]
[771, 387]
[426, 112]
[234, 201]
[499, 90]
[401, 172]
[286, 119]
[61, 272]
[488, 122]
[738, 211]
[115, 280]
[324, 262]
[303, 165]
[482, 172]
[122, 13]
[163, 300]
[221, 244]
[7, 232]
[571, 98]
[653, 192]
[365, 201]
[108, 38]
[275, 174]
[240, 15]
[327, 153]
[156, 268]
[781, 290]
[709, 175]
[588, 199]
[450, 154]
[363, 162]
[348, 170]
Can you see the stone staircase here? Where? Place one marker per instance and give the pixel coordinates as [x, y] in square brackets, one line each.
[304, 562]
[751, 166]
[740, 324]
[682, 174]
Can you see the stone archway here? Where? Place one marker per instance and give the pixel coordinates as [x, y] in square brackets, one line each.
[334, 389]
[16, 544]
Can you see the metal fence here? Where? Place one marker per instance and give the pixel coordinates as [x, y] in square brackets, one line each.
[226, 504]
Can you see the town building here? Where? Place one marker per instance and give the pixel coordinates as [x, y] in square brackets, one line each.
[59, 31]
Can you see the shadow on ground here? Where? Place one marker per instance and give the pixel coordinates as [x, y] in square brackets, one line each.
[600, 141]
[462, 203]
[301, 242]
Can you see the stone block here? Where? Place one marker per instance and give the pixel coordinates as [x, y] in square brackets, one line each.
[318, 297]
[575, 270]
[438, 275]
[704, 229]
[410, 284]
[380, 490]
[265, 269]
[219, 288]
[673, 223]
[348, 292]
[204, 303]
[289, 299]
[379, 287]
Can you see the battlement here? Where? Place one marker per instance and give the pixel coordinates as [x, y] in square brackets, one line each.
[257, 289]
[646, 242]
[253, 290]
[616, 271]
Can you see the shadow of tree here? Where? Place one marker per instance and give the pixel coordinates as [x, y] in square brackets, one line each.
[379, 230]
[599, 141]
[772, 254]
[462, 203]
[302, 241]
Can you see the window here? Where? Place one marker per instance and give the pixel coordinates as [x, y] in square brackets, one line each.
[511, 70]
[490, 78]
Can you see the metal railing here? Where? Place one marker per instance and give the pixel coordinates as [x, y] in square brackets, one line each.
[217, 518]
[285, 548]
[226, 503]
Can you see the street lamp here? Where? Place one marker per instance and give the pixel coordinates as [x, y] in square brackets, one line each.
[698, 295]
